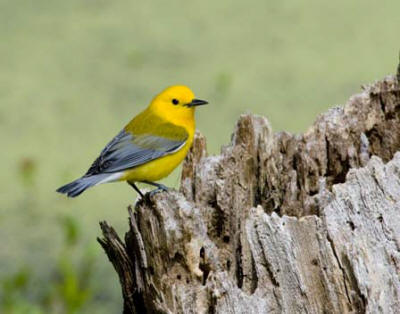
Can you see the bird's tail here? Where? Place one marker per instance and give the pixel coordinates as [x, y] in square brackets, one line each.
[78, 186]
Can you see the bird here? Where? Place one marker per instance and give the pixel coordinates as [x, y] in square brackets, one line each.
[149, 147]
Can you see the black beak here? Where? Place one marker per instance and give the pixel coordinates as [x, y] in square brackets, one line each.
[197, 102]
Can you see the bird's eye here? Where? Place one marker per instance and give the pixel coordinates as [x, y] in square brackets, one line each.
[175, 101]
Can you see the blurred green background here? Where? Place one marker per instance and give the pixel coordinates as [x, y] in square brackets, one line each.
[72, 73]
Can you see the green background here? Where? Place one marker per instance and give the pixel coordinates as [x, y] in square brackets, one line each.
[73, 73]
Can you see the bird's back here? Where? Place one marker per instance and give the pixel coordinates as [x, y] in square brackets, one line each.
[149, 122]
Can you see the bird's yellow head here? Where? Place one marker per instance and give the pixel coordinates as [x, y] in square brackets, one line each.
[176, 101]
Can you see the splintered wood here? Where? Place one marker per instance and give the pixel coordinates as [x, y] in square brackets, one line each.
[277, 223]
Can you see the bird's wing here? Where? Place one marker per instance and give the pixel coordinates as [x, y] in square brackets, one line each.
[128, 150]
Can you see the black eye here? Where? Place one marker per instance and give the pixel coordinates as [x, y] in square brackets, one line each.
[175, 101]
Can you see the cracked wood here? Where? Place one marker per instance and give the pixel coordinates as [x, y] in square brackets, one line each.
[277, 223]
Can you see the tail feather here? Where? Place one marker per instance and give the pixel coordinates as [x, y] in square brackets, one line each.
[78, 186]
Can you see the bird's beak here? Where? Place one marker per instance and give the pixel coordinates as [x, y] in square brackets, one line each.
[197, 102]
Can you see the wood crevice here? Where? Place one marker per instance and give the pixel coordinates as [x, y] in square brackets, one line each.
[277, 223]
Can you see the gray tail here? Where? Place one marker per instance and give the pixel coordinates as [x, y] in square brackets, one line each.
[78, 186]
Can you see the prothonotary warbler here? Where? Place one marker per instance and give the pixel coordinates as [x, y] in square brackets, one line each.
[149, 147]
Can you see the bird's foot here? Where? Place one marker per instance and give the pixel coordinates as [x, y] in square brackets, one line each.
[160, 188]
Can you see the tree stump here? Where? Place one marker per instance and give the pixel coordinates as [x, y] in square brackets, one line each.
[277, 223]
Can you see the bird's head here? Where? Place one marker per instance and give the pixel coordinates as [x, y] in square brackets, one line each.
[176, 101]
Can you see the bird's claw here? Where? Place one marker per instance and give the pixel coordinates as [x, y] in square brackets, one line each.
[161, 188]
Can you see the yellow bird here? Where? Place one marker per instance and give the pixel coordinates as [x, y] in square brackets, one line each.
[149, 147]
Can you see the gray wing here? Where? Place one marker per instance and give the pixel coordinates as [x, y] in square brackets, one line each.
[127, 151]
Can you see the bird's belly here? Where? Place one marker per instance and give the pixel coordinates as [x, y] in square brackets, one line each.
[156, 169]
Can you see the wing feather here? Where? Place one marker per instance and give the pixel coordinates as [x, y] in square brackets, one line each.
[126, 151]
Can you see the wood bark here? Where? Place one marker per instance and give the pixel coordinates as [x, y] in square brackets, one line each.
[276, 223]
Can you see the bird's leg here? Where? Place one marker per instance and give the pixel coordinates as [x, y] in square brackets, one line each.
[160, 187]
[136, 188]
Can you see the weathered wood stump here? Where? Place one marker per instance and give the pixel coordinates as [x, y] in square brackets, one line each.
[277, 223]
